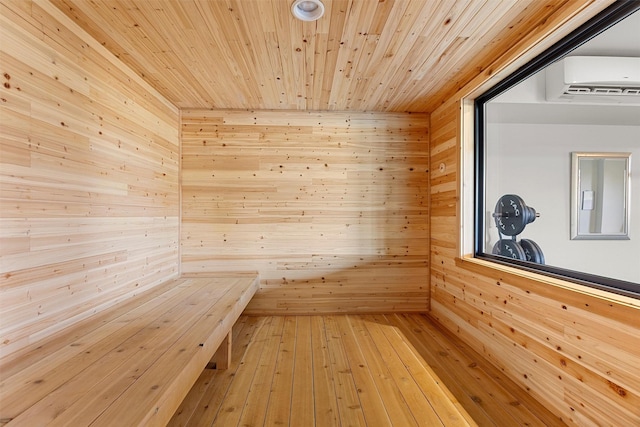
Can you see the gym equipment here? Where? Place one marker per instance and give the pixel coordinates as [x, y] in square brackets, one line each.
[532, 251]
[509, 248]
[511, 216]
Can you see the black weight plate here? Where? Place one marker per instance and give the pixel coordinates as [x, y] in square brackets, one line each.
[509, 249]
[532, 251]
[509, 215]
[529, 215]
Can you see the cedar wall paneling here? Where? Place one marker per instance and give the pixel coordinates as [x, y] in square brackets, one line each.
[330, 208]
[363, 55]
[89, 174]
[576, 352]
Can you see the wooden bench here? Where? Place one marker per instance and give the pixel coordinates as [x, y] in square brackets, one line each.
[131, 364]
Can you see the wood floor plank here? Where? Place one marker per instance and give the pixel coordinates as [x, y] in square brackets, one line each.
[324, 395]
[234, 401]
[432, 387]
[280, 390]
[451, 371]
[484, 383]
[302, 395]
[193, 401]
[325, 371]
[507, 402]
[372, 404]
[397, 409]
[215, 394]
[412, 394]
[255, 407]
[349, 407]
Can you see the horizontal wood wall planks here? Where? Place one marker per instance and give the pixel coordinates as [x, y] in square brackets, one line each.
[88, 176]
[576, 352]
[330, 208]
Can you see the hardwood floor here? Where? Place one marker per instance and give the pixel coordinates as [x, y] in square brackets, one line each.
[355, 370]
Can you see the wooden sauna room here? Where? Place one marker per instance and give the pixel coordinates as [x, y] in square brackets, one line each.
[303, 213]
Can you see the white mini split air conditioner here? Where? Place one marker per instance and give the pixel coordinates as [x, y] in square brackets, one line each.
[594, 79]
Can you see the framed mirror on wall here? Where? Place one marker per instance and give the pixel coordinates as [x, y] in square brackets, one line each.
[555, 140]
[600, 196]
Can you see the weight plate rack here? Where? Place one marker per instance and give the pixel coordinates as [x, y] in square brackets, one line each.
[511, 216]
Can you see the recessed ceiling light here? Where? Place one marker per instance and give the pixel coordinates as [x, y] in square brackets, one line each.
[307, 10]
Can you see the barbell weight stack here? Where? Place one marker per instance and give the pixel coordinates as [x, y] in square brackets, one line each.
[512, 215]
[509, 248]
[532, 251]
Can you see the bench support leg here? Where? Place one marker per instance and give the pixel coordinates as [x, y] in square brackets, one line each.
[222, 358]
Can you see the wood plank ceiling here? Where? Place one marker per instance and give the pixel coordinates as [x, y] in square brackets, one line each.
[363, 55]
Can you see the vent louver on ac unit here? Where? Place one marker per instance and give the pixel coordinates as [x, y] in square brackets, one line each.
[594, 79]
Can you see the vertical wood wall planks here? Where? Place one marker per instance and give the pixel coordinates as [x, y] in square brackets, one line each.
[330, 208]
[88, 176]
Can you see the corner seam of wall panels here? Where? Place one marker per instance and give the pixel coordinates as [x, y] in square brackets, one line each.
[180, 113]
[429, 259]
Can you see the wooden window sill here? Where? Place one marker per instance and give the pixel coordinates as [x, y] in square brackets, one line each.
[542, 284]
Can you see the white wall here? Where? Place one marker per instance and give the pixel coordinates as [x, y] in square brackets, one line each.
[534, 162]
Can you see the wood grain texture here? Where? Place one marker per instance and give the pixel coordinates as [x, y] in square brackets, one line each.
[88, 177]
[330, 208]
[134, 362]
[360, 370]
[576, 352]
[363, 55]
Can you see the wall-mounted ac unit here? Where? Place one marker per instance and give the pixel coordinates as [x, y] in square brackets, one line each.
[594, 79]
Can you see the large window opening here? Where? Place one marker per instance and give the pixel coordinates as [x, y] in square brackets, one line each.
[558, 159]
